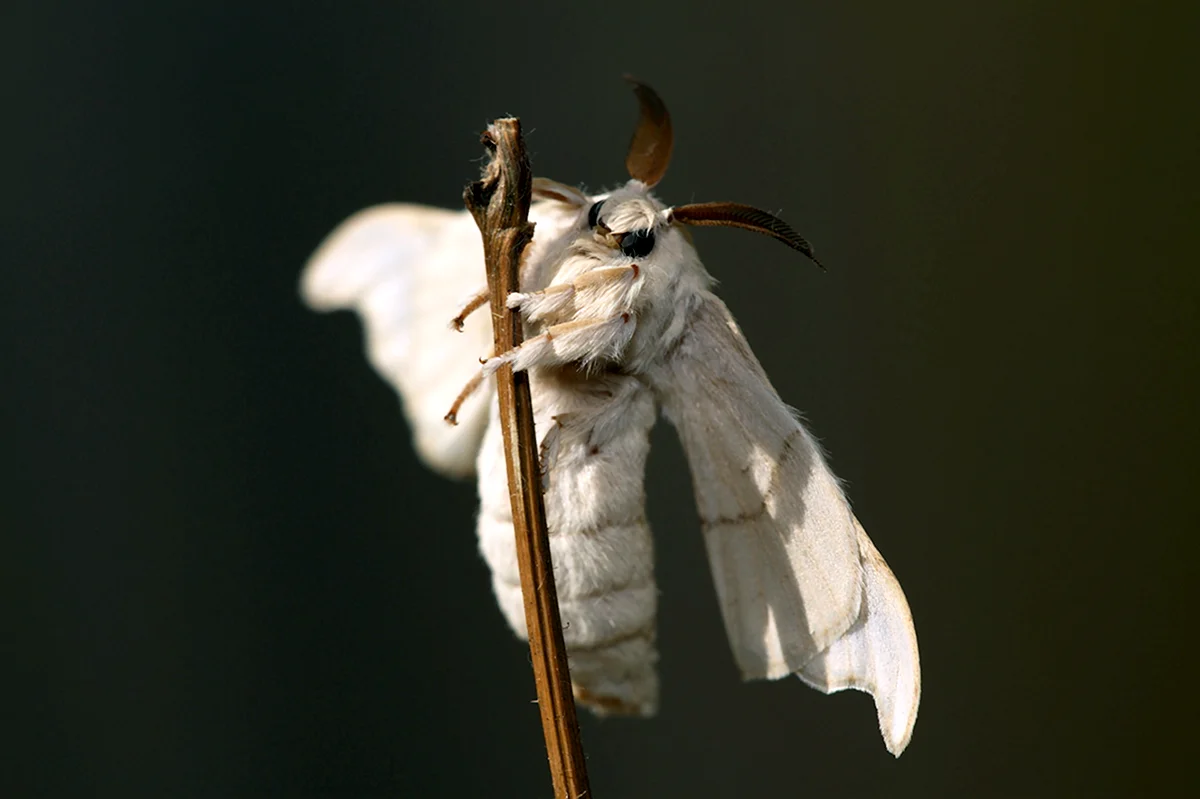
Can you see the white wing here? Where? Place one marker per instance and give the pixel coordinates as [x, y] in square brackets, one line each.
[878, 654]
[407, 270]
[802, 588]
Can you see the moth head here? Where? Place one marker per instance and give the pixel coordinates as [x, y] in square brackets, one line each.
[631, 220]
[628, 221]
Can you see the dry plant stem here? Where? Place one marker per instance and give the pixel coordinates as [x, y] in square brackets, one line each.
[500, 204]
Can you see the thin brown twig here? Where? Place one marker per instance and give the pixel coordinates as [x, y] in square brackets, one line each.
[500, 204]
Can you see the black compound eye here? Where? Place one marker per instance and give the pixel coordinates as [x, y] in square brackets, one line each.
[594, 214]
[637, 243]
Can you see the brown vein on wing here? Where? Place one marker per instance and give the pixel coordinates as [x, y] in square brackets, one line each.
[785, 450]
[739, 519]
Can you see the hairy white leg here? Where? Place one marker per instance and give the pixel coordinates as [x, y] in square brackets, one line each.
[598, 292]
[537, 305]
[582, 340]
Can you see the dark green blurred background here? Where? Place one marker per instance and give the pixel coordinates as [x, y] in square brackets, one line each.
[227, 574]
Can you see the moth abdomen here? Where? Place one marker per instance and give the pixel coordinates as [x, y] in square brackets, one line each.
[607, 602]
[594, 438]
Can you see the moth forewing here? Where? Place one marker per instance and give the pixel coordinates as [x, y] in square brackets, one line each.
[802, 588]
[779, 534]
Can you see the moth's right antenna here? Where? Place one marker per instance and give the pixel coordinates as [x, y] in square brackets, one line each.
[650, 148]
[746, 217]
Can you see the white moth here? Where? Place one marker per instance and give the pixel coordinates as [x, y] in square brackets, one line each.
[621, 321]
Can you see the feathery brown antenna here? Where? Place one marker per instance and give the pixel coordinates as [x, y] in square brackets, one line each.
[746, 217]
[650, 148]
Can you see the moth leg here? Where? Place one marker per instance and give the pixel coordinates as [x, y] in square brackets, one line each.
[470, 388]
[598, 293]
[473, 304]
[583, 341]
[480, 299]
[537, 306]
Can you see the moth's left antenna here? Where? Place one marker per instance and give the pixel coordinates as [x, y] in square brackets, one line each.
[650, 149]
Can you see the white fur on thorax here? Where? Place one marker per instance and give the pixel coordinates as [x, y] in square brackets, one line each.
[670, 276]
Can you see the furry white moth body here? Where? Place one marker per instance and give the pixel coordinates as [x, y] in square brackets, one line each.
[621, 320]
[594, 434]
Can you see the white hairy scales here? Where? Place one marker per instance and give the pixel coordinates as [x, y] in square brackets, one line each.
[610, 339]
